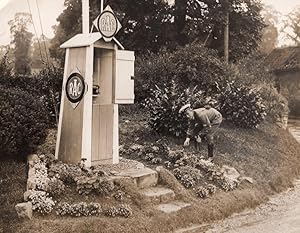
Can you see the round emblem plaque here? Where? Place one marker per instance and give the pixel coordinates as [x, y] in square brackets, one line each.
[107, 24]
[75, 87]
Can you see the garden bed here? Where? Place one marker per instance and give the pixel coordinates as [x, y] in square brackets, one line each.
[268, 155]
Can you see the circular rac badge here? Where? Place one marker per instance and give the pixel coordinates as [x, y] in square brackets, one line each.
[107, 24]
[75, 87]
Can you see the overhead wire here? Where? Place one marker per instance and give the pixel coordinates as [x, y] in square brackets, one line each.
[42, 32]
[34, 28]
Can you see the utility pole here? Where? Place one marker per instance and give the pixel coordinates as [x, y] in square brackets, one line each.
[226, 38]
[85, 16]
[226, 35]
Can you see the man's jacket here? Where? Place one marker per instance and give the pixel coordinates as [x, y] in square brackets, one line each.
[205, 118]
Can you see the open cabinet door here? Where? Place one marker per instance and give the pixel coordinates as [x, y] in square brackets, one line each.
[124, 83]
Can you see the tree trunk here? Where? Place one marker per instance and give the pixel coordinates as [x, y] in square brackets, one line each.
[226, 38]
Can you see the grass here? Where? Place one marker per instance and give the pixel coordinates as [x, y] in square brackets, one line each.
[268, 154]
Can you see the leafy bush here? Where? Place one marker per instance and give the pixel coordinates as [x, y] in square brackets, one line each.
[276, 104]
[193, 65]
[163, 105]
[23, 122]
[46, 86]
[242, 105]
[5, 68]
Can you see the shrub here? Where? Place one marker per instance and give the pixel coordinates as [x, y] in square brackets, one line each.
[163, 105]
[276, 104]
[46, 86]
[23, 122]
[192, 65]
[242, 105]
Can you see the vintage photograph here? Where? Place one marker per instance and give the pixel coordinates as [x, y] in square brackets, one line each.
[149, 116]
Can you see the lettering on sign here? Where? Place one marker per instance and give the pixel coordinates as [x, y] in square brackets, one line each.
[107, 24]
[75, 87]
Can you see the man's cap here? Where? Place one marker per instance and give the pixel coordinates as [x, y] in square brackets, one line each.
[184, 108]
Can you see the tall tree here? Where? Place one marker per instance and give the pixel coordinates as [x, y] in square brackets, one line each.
[206, 20]
[145, 23]
[40, 52]
[21, 43]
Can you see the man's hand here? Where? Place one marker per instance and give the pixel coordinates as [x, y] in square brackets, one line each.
[198, 139]
[186, 142]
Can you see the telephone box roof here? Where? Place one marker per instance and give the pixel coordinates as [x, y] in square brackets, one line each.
[82, 40]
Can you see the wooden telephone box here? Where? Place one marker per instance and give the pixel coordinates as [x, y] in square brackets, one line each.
[97, 77]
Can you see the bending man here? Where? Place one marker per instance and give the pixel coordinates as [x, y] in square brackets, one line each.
[203, 123]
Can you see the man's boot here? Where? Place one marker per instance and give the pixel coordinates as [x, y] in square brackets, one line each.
[210, 148]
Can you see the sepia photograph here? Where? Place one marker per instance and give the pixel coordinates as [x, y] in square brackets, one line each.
[149, 116]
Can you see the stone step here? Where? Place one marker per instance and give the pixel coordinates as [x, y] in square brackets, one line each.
[142, 177]
[158, 194]
[172, 206]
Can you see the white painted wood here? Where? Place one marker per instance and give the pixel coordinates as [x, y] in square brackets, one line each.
[82, 40]
[101, 6]
[87, 109]
[85, 16]
[124, 70]
[61, 111]
[116, 134]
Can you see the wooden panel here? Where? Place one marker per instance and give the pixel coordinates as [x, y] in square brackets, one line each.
[124, 85]
[102, 133]
[105, 76]
[71, 130]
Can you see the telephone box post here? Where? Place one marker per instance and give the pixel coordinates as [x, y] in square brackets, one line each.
[97, 77]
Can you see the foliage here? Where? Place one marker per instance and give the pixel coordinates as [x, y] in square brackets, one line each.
[21, 42]
[41, 202]
[157, 24]
[79, 209]
[45, 86]
[23, 121]
[242, 105]
[5, 68]
[66, 172]
[270, 33]
[190, 66]
[100, 185]
[55, 186]
[205, 191]
[187, 175]
[40, 52]
[204, 20]
[276, 104]
[120, 211]
[143, 30]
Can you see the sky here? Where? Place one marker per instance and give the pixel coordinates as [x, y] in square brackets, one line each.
[51, 9]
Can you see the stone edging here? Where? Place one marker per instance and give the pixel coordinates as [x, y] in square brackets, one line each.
[24, 209]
